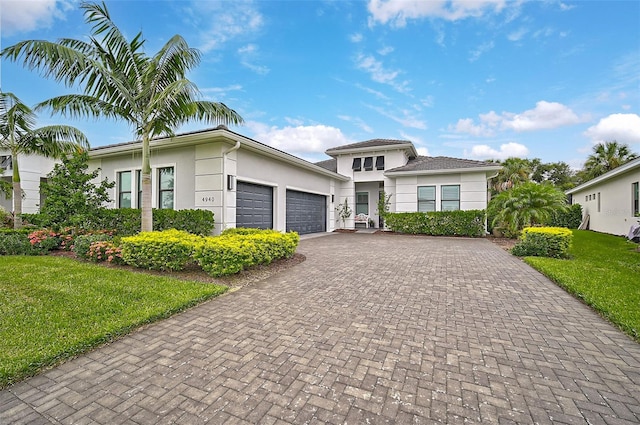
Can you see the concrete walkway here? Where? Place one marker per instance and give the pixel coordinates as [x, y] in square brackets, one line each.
[370, 329]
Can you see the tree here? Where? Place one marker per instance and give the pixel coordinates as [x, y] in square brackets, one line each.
[514, 171]
[5, 187]
[70, 196]
[605, 157]
[120, 81]
[344, 212]
[525, 205]
[19, 137]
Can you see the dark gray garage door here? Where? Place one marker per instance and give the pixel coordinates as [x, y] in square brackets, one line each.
[306, 212]
[254, 206]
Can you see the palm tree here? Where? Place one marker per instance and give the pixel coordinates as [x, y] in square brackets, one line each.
[514, 171]
[525, 205]
[605, 157]
[121, 81]
[19, 137]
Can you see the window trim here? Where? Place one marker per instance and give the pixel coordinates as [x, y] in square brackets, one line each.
[139, 189]
[362, 203]
[379, 162]
[357, 164]
[120, 188]
[368, 163]
[635, 198]
[443, 199]
[427, 201]
[161, 191]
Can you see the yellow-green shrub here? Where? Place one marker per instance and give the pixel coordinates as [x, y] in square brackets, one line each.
[166, 250]
[553, 242]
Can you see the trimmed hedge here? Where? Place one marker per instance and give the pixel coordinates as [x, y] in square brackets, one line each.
[127, 221]
[166, 250]
[438, 223]
[571, 218]
[551, 242]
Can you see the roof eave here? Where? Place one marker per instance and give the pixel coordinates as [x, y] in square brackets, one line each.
[486, 170]
[635, 163]
[399, 146]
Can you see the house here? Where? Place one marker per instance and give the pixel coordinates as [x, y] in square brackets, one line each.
[33, 173]
[249, 184]
[611, 201]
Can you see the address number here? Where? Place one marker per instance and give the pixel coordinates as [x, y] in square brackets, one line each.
[208, 199]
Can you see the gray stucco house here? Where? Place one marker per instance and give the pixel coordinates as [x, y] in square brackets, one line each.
[249, 184]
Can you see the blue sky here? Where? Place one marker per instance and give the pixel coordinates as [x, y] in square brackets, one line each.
[478, 80]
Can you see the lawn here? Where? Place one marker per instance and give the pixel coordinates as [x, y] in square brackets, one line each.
[604, 272]
[53, 308]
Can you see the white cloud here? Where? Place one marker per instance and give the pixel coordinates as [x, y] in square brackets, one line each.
[623, 128]
[507, 150]
[422, 151]
[475, 54]
[380, 74]
[219, 22]
[299, 140]
[24, 16]
[546, 115]
[565, 7]
[418, 142]
[517, 35]
[428, 101]
[356, 37]
[357, 121]
[407, 119]
[376, 93]
[397, 12]
[249, 55]
[385, 50]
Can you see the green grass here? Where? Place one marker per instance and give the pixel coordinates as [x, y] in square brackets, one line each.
[53, 308]
[604, 272]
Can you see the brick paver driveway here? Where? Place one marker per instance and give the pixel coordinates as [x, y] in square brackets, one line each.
[370, 329]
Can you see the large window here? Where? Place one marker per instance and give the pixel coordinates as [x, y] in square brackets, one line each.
[5, 162]
[362, 203]
[124, 189]
[426, 198]
[139, 187]
[635, 198]
[450, 197]
[165, 190]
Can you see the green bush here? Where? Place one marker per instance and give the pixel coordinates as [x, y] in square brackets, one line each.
[166, 250]
[571, 218]
[438, 223]
[82, 243]
[16, 243]
[241, 231]
[108, 251]
[44, 240]
[236, 250]
[553, 242]
[197, 222]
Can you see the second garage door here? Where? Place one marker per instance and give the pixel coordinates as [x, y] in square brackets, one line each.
[254, 206]
[306, 212]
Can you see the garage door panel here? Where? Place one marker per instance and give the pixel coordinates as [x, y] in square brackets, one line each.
[254, 206]
[306, 212]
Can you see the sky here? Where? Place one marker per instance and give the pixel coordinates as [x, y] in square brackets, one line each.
[484, 79]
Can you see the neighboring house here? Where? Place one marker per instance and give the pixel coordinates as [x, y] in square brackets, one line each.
[249, 184]
[33, 173]
[611, 200]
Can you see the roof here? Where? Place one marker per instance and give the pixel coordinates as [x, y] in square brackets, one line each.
[373, 144]
[440, 163]
[329, 164]
[629, 166]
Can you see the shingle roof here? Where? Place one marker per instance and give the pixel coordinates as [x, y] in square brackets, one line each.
[329, 164]
[433, 163]
[370, 144]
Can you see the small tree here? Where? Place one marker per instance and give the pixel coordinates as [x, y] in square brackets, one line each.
[71, 195]
[344, 212]
[525, 205]
[384, 201]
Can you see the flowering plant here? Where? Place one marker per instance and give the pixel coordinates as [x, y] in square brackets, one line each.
[44, 240]
[105, 251]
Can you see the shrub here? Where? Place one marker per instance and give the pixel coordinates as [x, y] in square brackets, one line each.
[82, 243]
[571, 218]
[105, 251]
[438, 223]
[198, 222]
[166, 250]
[241, 231]
[6, 218]
[44, 240]
[551, 242]
[16, 243]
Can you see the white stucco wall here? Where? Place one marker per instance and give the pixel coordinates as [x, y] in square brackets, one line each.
[31, 168]
[608, 203]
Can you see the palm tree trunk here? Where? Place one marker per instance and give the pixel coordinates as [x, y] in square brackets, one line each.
[147, 212]
[17, 193]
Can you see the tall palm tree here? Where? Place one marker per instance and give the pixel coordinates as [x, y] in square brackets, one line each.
[19, 137]
[121, 81]
[605, 157]
[514, 171]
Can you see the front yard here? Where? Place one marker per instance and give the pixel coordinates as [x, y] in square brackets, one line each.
[53, 308]
[604, 272]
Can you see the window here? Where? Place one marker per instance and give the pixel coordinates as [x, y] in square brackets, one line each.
[450, 197]
[139, 186]
[598, 201]
[165, 190]
[380, 163]
[586, 198]
[5, 162]
[124, 189]
[635, 198]
[368, 163]
[357, 164]
[43, 182]
[426, 198]
[362, 203]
